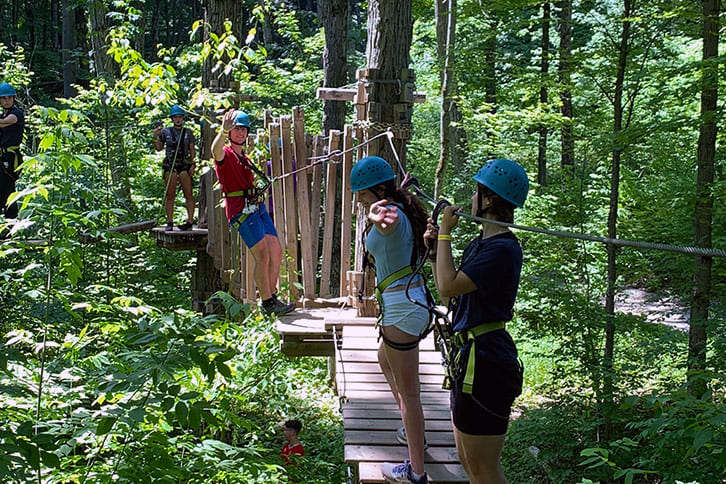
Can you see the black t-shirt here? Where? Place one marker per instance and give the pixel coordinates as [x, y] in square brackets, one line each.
[13, 135]
[494, 265]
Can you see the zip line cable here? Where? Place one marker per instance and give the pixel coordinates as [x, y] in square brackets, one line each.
[700, 251]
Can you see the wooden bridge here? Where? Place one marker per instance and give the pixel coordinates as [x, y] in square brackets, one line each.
[370, 414]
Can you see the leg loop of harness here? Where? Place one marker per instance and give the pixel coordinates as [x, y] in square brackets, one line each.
[411, 345]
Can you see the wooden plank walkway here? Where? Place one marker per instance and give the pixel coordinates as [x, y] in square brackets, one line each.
[371, 416]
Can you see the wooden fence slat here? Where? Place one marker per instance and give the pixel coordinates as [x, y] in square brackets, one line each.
[315, 196]
[328, 226]
[251, 287]
[303, 196]
[290, 207]
[278, 203]
[346, 208]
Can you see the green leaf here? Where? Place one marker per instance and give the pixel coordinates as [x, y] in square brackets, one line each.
[137, 414]
[224, 370]
[182, 412]
[702, 437]
[105, 425]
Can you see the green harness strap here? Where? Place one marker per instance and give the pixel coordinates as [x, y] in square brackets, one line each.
[462, 338]
[241, 193]
[381, 286]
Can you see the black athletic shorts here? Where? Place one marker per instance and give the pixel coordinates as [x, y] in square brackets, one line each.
[178, 166]
[497, 382]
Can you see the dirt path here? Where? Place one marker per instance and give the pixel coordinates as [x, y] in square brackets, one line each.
[670, 311]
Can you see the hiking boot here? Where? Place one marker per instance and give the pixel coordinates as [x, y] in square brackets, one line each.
[186, 226]
[169, 226]
[401, 473]
[275, 306]
[402, 439]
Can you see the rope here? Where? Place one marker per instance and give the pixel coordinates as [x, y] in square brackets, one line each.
[337, 153]
[700, 251]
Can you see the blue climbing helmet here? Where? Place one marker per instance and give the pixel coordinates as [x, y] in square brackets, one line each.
[369, 172]
[6, 90]
[242, 119]
[175, 110]
[505, 178]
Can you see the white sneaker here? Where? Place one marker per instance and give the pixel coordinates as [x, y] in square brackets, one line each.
[402, 439]
[401, 473]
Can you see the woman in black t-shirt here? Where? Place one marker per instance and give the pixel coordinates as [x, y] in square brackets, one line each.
[487, 375]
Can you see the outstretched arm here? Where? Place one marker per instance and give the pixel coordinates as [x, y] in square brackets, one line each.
[221, 138]
[384, 218]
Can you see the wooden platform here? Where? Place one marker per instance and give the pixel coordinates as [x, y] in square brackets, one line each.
[194, 239]
[371, 416]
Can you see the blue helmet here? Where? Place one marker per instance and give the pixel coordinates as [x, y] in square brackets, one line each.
[505, 178]
[369, 172]
[242, 119]
[6, 90]
[175, 110]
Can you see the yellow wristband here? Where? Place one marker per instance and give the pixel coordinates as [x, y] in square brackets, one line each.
[225, 132]
[445, 237]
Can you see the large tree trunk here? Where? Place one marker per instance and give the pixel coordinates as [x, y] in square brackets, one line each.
[69, 46]
[623, 52]
[390, 33]
[563, 70]
[544, 70]
[703, 215]
[335, 22]
[215, 13]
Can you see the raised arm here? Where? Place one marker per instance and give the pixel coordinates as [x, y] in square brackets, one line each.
[220, 139]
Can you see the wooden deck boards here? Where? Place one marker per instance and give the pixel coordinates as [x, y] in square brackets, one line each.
[371, 416]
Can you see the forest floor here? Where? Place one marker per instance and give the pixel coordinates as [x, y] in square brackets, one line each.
[656, 308]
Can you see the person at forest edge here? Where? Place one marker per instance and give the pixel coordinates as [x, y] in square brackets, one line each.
[395, 241]
[12, 124]
[290, 431]
[487, 376]
[178, 165]
[245, 208]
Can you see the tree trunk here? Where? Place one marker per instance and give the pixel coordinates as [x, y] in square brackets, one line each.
[490, 83]
[567, 160]
[215, 13]
[335, 22]
[69, 45]
[623, 52]
[703, 213]
[452, 135]
[544, 70]
[103, 65]
[390, 33]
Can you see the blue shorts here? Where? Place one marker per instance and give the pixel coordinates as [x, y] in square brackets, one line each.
[254, 226]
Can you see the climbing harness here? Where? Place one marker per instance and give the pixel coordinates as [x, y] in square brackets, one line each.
[10, 169]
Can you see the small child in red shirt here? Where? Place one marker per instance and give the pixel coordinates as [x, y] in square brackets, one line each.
[290, 431]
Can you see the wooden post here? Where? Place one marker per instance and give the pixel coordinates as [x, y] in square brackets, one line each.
[315, 196]
[278, 202]
[220, 227]
[235, 281]
[328, 226]
[346, 207]
[288, 184]
[303, 196]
